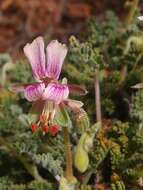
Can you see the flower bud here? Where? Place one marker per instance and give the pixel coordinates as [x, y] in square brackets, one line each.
[81, 120]
[88, 143]
[81, 160]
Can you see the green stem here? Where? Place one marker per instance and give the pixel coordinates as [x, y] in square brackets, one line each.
[68, 153]
[137, 61]
[88, 176]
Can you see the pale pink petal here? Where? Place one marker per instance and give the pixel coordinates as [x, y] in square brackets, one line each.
[56, 53]
[77, 90]
[34, 92]
[56, 92]
[17, 88]
[20, 87]
[73, 104]
[36, 56]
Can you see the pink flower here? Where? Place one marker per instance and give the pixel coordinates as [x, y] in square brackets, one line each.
[46, 68]
[49, 65]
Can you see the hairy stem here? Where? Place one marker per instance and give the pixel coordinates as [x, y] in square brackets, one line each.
[97, 97]
[68, 154]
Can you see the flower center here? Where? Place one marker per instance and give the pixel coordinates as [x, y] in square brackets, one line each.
[45, 121]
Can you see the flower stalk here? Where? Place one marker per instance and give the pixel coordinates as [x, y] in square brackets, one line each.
[97, 97]
[68, 153]
[132, 10]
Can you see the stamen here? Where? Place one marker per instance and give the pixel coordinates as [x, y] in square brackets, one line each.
[42, 118]
[33, 127]
[46, 119]
[45, 128]
[49, 118]
[49, 112]
[54, 129]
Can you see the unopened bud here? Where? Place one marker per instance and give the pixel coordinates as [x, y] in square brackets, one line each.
[88, 143]
[81, 120]
[81, 159]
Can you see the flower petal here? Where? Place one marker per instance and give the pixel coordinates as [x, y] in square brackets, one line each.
[77, 90]
[56, 53]
[34, 92]
[20, 87]
[73, 104]
[56, 92]
[36, 56]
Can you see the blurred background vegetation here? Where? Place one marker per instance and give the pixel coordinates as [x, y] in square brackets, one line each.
[22, 20]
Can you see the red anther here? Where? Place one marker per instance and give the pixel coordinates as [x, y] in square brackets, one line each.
[33, 127]
[54, 129]
[42, 118]
[45, 128]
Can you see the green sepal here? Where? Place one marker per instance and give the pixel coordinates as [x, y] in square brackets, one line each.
[62, 117]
